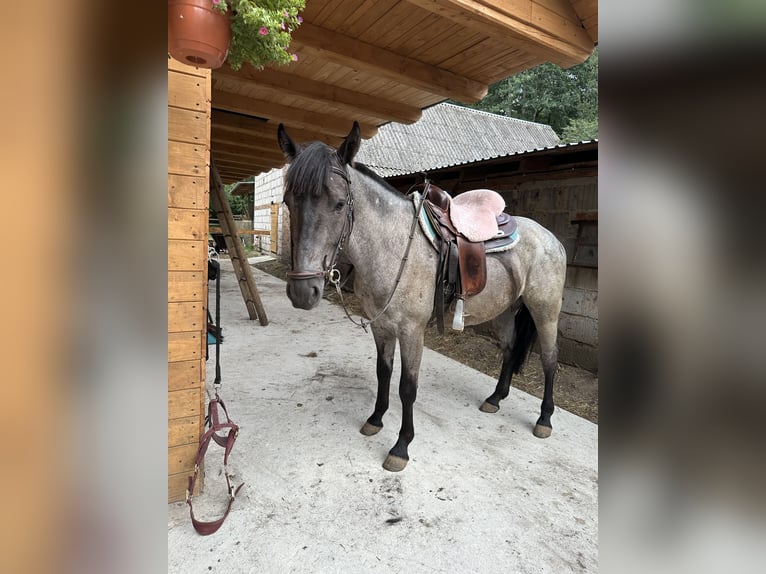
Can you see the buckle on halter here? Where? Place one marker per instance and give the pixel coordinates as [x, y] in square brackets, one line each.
[334, 276]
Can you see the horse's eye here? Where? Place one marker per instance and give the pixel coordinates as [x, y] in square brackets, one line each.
[340, 205]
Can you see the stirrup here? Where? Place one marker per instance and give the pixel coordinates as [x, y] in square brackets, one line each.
[457, 320]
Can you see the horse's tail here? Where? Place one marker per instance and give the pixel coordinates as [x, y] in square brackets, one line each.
[526, 334]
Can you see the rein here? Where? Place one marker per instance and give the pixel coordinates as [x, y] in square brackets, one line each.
[335, 277]
[332, 273]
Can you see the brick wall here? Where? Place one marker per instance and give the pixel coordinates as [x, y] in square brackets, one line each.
[268, 190]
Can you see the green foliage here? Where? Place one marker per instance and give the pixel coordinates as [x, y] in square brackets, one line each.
[261, 31]
[567, 100]
[580, 129]
[238, 203]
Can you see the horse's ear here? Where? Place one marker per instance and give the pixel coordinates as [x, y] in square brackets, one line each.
[286, 143]
[349, 147]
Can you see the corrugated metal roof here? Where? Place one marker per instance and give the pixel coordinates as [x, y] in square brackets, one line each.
[448, 135]
[563, 148]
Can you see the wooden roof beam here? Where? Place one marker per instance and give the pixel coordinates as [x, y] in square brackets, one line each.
[247, 154]
[553, 27]
[245, 166]
[254, 143]
[259, 141]
[353, 53]
[341, 98]
[241, 168]
[239, 174]
[251, 128]
[290, 116]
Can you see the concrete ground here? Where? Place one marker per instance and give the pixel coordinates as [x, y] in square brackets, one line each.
[480, 494]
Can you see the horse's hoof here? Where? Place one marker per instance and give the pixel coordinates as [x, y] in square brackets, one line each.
[488, 407]
[541, 431]
[394, 463]
[369, 429]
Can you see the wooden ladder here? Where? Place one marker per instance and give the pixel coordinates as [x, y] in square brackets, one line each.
[235, 248]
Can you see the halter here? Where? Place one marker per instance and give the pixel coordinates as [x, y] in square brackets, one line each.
[330, 271]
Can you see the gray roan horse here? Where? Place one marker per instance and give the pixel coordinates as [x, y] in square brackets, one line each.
[338, 205]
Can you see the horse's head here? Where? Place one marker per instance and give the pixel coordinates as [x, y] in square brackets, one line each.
[318, 195]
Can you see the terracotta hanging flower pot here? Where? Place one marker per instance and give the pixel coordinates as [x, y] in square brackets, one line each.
[198, 35]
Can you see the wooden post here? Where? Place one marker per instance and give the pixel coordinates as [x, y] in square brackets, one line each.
[236, 250]
[274, 228]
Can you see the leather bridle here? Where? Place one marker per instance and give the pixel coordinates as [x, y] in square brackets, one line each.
[330, 271]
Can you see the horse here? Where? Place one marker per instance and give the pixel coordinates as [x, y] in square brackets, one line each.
[337, 205]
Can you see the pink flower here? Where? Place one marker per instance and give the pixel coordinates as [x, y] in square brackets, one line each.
[295, 57]
[216, 2]
[282, 25]
[300, 20]
[263, 31]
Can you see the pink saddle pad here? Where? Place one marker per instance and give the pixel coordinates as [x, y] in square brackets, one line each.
[474, 213]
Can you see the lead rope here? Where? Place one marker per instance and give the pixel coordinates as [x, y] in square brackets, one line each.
[335, 277]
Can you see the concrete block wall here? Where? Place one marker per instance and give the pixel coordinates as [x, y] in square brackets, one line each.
[554, 204]
[268, 190]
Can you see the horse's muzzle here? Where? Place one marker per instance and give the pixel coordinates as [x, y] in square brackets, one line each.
[305, 293]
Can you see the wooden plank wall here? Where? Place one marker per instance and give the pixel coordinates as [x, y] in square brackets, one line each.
[188, 201]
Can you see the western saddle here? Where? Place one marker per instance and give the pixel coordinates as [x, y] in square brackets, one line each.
[468, 225]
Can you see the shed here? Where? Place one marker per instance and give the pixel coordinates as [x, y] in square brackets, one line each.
[558, 187]
[374, 62]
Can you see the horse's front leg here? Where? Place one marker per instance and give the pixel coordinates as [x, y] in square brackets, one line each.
[385, 344]
[411, 351]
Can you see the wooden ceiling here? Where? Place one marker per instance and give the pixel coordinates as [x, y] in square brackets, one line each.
[378, 61]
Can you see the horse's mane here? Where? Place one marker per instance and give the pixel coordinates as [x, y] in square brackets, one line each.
[309, 170]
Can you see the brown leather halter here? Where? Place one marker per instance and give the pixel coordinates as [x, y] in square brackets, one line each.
[330, 271]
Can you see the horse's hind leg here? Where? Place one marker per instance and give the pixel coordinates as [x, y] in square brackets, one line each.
[385, 345]
[505, 326]
[549, 357]
[492, 403]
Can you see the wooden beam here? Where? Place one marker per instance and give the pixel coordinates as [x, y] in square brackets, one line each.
[290, 116]
[254, 128]
[353, 53]
[228, 176]
[552, 28]
[245, 166]
[240, 172]
[252, 144]
[245, 152]
[348, 100]
[266, 137]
